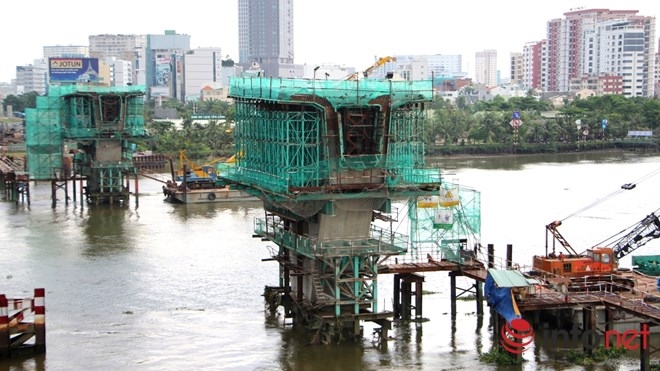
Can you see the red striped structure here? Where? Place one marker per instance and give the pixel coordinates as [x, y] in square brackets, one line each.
[4, 327]
[16, 329]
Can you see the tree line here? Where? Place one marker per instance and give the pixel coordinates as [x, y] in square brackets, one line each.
[488, 123]
[460, 127]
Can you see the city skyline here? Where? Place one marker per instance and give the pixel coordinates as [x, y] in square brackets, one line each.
[321, 34]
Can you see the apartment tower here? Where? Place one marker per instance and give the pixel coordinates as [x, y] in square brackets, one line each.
[265, 35]
[593, 42]
[486, 67]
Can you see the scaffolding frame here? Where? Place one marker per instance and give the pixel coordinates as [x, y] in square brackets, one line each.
[86, 115]
[445, 242]
[324, 153]
[298, 135]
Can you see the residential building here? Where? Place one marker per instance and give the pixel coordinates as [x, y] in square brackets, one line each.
[621, 51]
[62, 51]
[610, 84]
[517, 63]
[120, 47]
[486, 67]
[120, 72]
[31, 78]
[533, 74]
[265, 35]
[581, 43]
[434, 64]
[117, 48]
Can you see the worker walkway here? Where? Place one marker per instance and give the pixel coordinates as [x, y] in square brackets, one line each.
[642, 302]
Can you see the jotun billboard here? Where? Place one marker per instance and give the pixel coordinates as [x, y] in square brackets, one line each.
[73, 69]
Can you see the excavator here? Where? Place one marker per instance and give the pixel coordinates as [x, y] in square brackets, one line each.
[368, 71]
[596, 267]
[198, 173]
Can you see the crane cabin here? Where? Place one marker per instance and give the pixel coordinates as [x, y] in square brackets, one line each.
[596, 261]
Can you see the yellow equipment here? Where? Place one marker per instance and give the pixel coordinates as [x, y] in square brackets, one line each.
[197, 172]
[368, 71]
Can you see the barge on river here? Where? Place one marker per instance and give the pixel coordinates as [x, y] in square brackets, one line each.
[197, 193]
[193, 184]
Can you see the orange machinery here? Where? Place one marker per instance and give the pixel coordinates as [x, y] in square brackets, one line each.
[597, 266]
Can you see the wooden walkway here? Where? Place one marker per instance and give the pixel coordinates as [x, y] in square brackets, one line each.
[643, 301]
[431, 266]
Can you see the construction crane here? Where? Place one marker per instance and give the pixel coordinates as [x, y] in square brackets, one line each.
[598, 265]
[646, 230]
[368, 71]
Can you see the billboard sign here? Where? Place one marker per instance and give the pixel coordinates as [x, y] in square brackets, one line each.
[73, 69]
[163, 70]
[206, 116]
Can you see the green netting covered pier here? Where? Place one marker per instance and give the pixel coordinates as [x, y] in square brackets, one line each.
[328, 157]
[83, 132]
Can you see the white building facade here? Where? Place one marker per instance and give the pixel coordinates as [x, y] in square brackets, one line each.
[486, 67]
[120, 47]
[202, 67]
[31, 78]
[60, 51]
[121, 72]
[621, 51]
[596, 42]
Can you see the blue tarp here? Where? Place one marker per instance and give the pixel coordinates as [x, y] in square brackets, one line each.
[500, 298]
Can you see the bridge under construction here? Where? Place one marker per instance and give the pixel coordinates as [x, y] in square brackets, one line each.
[83, 133]
[331, 159]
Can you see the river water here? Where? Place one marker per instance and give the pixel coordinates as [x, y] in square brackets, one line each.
[161, 286]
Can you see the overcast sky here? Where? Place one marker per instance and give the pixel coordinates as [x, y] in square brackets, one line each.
[349, 32]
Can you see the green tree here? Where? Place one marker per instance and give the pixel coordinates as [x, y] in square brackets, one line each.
[20, 102]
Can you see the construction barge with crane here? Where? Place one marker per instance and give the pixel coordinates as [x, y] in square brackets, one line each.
[596, 268]
[194, 184]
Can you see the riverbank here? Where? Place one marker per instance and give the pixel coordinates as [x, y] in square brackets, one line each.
[496, 149]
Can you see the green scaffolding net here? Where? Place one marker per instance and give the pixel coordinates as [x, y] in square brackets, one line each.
[306, 135]
[446, 226]
[79, 113]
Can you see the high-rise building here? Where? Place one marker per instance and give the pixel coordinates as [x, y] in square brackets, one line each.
[202, 67]
[516, 68]
[163, 64]
[265, 35]
[486, 67]
[116, 51]
[63, 51]
[532, 66]
[438, 65]
[120, 72]
[120, 47]
[581, 43]
[31, 78]
[620, 51]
